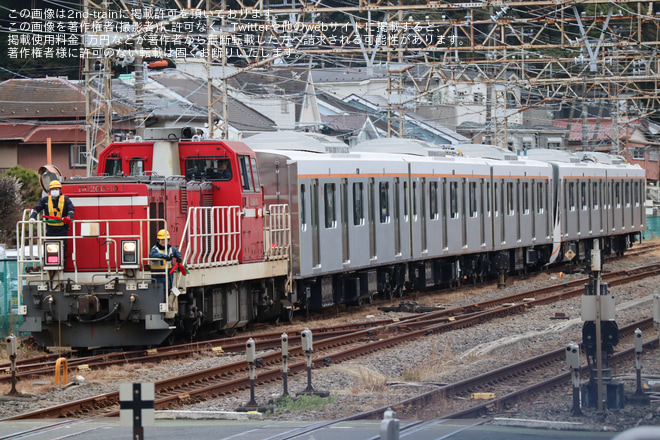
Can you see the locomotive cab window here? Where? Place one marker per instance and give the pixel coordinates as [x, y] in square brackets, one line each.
[246, 173]
[113, 166]
[208, 168]
[136, 166]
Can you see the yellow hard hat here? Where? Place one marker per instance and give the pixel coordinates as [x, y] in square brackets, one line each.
[55, 184]
[162, 234]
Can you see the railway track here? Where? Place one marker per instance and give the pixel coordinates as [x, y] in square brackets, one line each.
[45, 365]
[224, 380]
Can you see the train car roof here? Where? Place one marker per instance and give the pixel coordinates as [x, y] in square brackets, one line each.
[551, 155]
[412, 147]
[296, 141]
[485, 152]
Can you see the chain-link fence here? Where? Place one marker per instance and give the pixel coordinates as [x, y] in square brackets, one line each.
[652, 228]
[9, 318]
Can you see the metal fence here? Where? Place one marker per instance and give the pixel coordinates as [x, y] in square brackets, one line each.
[652, 228]
[9, 318]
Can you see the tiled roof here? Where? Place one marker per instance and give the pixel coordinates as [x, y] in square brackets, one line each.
[241, 117]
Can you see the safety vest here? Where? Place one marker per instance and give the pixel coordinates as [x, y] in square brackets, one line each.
[160, 264]
[58, 212]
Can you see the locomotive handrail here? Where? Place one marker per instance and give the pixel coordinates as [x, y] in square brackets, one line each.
[277, 234]
[211, 237]
[32, 235]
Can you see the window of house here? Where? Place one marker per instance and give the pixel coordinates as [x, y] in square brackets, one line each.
[638, 153]
[77, 157]
[653, 154]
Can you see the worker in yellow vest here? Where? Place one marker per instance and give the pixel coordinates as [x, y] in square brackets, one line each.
[162, 259]
[58, 211]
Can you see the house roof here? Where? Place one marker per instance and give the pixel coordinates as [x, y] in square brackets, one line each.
[41, 98]
[604, 128]
[158, 101]
[11, 131]
[58, 134]
[241, 117]
[49, 98]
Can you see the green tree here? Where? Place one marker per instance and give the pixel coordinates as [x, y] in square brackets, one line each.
[11, 207]
[30, 187]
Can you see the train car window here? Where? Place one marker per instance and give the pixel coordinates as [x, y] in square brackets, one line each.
[405, 201]
[329, 199]
[303, 208]
[358, 203]
[255, 174]
[525, 198]
[453, 199]
[496, 197]
[113, 166]
[487, 197]
[136, 167]
[594, 195]
[617, 194]
[636, 193]
[433, 195]
[509, 199]
[246, 173]
[414, 199]
[473, 199]
[571, 196]
[539, 197]
[384, 190]
[626, 194]
[583, 195]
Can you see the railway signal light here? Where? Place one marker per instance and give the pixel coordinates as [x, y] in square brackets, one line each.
[53, 255]
[306, 337]
[130, 254]
[250, 353]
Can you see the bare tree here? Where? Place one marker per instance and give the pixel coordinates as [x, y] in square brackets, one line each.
[11, 208]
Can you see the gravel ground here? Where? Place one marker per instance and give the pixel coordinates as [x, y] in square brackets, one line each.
[387, 377]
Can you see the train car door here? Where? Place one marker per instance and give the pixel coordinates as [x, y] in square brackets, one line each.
[497, 210]
[570, 223]
[455, 233]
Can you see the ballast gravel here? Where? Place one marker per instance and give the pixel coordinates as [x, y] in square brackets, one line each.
[387, 377]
